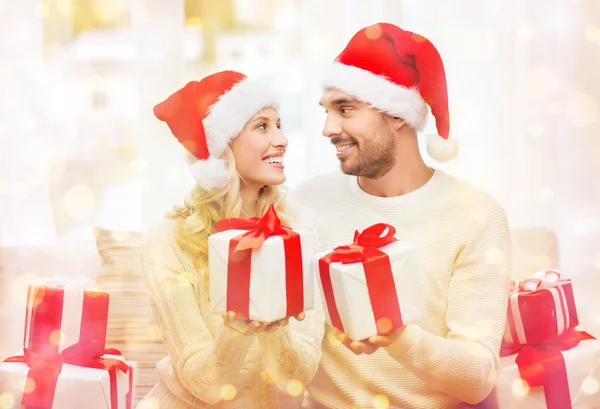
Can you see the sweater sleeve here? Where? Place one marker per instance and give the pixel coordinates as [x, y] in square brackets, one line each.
[202, 363]
[465, 364]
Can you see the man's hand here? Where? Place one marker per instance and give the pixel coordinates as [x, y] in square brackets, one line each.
[248, 327]
[369, 345]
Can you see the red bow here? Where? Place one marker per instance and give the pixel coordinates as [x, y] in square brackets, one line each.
[378, 273]
[544, 365]
[260, 228]
[240, 256]
[45, 369]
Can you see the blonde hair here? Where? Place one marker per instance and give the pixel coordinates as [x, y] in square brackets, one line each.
[201, 211]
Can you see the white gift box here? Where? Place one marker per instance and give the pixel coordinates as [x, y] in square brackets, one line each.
[351, 292]
[583, 373]
[77, 386]
[268, 298]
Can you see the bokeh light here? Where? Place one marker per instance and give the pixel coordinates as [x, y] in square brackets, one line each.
[381, 402]
[295, 388]
[520, 389]
[543, 260]
[149, 403]
[590, 386]
[526, 31]
[228, 392]
[582, 110]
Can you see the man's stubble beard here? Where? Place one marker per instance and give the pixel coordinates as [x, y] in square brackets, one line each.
[375, 156]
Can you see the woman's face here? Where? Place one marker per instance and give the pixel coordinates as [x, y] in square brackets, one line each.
[259, 150]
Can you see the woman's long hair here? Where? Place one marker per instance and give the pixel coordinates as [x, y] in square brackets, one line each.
[201, 211]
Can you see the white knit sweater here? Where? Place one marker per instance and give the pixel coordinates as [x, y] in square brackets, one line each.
[209, 363]
[463, 247]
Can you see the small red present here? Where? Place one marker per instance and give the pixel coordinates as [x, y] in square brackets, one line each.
[62, 312]
[541, 307]
[371, 286]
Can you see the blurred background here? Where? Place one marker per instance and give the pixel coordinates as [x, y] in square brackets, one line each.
[84, 163]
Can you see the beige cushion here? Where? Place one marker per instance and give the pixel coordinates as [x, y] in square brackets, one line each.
[534, 248]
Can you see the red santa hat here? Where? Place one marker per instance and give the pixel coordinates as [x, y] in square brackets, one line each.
[206, 115]
[399, 73]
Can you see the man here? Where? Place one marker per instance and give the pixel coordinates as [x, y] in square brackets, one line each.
[376, 98]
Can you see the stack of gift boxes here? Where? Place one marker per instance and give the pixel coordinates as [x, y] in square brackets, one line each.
[547, 362]
[64, 363]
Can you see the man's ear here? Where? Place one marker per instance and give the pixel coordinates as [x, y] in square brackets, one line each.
[397, 123]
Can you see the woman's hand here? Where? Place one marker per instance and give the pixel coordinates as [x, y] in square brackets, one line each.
[246, 327]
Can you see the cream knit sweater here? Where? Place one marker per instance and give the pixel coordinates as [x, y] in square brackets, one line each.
[463, 247]
[209, 364]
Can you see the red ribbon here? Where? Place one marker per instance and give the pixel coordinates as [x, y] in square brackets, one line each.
[378, 274]
[240, 257]
[46, 368]
[543, 365]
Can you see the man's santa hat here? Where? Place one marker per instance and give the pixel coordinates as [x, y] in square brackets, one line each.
[205, 116]
[399, 73]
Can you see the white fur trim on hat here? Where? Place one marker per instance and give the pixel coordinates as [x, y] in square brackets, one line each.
[393, 99]
[210, 173]
[441, 149]
[231, 112]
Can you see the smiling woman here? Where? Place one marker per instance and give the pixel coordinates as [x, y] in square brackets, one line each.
[231, 126]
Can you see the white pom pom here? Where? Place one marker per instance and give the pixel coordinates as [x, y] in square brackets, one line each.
[441, 149]
[210, 173]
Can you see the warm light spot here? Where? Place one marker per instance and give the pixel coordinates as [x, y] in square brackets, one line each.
[58, 337]
[526, 31]
[7, 401]
[544, 194]
[536, 129]
[520, 389]
[592, 33]
[228, 392]
[193, 22]
[295, 388]
[381, 402]
[120, 235]
[590, 386]
[332, 340]
[582, 110]
[543, 260]
[28, 385]
[494, 256]
[149, 403]
[155, 332]
[80, 202]
[597, 262]
[373, 32]
[384, 325]
[268, 376]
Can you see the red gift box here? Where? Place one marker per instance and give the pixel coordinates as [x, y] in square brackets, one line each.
[62, 313]
[541, 307]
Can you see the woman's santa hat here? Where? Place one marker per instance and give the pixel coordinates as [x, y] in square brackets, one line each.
[205, 116]
[399, 73]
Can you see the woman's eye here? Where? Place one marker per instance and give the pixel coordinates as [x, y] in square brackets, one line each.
[262, 126]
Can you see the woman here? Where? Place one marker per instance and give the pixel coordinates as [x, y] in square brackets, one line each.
[230, 125]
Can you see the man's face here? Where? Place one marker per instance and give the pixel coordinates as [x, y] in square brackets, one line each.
[365, 142]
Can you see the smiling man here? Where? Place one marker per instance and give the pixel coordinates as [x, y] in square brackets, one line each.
[376, 97]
